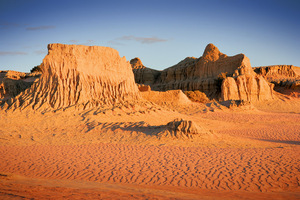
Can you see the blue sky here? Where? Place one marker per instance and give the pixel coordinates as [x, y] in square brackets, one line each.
[160, 32]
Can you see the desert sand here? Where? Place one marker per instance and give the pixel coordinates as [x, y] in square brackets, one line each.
[252, 155]
[71, 140]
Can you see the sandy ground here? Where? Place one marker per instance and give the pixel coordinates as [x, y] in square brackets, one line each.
[250, 153]
[249, 170]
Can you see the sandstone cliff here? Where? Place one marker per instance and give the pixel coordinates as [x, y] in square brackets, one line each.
[201, 74]
[278, 71]
[205, 74]
[247, 88]
[283, 76]
[82, 76]
[142, 74]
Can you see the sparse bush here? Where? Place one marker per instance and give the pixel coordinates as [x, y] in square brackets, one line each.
[36, 69]
[222, 76]
[197, 96]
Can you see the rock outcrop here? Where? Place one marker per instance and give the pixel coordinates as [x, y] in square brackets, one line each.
[282, 76]
[82, 76]
[202, 73]
[144, 88]
[170, 97]
[136, 63]
[278, 71]
[180, 128]
[142, 74]
[13, 83]
[213, 63]
[246, 88]
[206, 75]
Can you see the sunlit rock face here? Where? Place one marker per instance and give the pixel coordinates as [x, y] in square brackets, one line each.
[218, 75]
[278, 71]
[80, 75]
[247, 88]
[202, 73]
[282, 76]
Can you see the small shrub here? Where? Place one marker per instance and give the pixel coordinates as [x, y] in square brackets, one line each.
[197, 96]
[36, 69]
[222, 76]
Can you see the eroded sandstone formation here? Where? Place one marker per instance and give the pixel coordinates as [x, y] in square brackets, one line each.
[80, 75]
[142, 74]
[13, 83]
[282, 76]
[180, 128]
[246, 88]
[208, 74]
[278, 71]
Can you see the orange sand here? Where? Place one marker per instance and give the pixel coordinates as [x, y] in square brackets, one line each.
[250, 154]
[195, 169]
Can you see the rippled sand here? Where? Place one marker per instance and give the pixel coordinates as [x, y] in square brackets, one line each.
[250, 155]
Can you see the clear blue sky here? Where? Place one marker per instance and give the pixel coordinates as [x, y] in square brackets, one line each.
[160, 32]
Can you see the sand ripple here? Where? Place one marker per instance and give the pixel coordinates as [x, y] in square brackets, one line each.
[262, 169]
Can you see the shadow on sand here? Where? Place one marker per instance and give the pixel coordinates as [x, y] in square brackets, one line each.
[281, 141]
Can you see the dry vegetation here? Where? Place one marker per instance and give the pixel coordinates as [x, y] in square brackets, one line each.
[197, 96]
